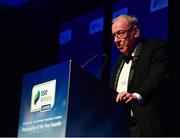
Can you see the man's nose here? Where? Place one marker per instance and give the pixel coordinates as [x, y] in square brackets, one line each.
[116, 39]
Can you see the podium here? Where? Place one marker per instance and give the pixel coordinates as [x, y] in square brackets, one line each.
[66, 101]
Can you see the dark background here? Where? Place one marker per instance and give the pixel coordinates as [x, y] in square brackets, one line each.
[28, 28]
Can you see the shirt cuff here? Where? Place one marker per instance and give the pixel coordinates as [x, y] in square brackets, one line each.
[139, 97]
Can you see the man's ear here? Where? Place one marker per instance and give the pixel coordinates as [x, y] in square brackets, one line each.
[137, 31]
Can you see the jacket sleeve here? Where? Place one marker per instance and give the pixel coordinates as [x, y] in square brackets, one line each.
[153, 86]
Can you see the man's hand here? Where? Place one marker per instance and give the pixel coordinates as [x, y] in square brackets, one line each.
[126, 97]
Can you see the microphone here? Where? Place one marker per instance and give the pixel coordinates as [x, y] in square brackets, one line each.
[90, 60]
[105, 58]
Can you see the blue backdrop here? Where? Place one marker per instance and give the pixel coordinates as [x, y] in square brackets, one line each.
[83, 37]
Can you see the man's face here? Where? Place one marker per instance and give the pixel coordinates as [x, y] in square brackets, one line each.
[123, 35]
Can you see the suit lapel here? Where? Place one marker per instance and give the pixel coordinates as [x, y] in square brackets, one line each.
[134, 61]
[119, 68]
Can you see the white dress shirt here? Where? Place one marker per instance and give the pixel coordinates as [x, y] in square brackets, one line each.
[123, 79]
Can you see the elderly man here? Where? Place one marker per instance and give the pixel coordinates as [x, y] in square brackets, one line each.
[140, 76]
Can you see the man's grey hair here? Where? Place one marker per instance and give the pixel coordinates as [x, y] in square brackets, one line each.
[132, 19]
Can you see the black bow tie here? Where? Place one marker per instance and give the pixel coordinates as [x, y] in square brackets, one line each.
[127, 58]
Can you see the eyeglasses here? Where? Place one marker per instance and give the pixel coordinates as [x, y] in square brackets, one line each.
[122, 33]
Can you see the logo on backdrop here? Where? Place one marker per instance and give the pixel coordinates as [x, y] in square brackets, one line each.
[43, 96]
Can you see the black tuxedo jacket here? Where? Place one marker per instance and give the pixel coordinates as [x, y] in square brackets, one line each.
[148, 77]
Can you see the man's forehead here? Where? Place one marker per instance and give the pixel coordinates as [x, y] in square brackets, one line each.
[121, 24]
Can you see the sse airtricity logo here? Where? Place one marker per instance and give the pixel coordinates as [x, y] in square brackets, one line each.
[43, 96]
